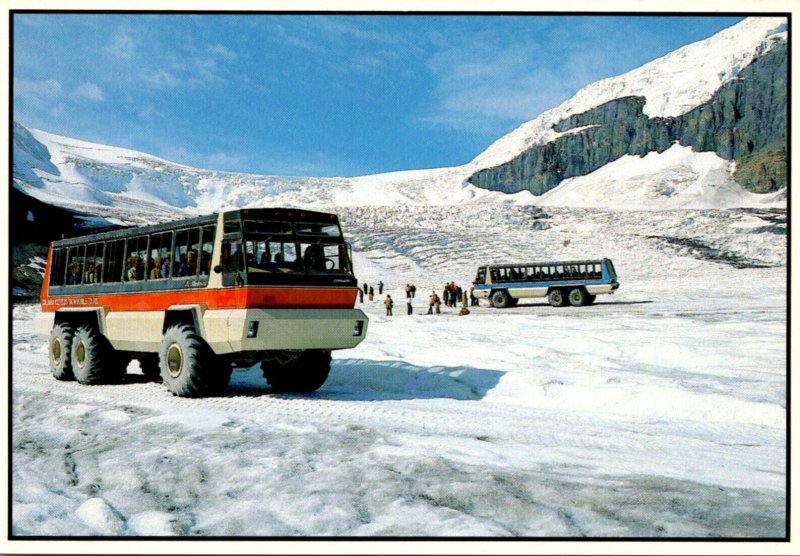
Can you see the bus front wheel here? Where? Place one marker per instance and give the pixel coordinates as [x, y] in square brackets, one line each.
[501, 299]
[189, 367]
[304, 373]
[557, 298]
[93, 358]
[60, 350]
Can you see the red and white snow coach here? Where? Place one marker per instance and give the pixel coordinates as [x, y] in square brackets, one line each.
[192, 299]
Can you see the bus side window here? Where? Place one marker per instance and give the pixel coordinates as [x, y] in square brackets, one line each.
[75, 265]
[94, 263]
[58, 267]
[193, 255]
[113, 261]
[208, 248]
[137, 255]
[154, 262]
[179, 266]
[290, 253]
[165, 252]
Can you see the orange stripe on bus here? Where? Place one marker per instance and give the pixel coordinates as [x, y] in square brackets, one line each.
[227, 298]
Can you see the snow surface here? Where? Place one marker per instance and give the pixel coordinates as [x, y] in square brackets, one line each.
[659, 411]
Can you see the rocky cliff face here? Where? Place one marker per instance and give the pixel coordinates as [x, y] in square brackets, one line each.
[745, 121]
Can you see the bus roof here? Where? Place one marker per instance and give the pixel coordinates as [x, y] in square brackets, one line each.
[546, 263]
[295, 214]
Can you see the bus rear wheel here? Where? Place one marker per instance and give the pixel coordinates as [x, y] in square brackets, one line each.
[577, 297]
[305, 373]
[94, 360]
[557, 298]
[501, 299]
[60, 352]
[189, 368]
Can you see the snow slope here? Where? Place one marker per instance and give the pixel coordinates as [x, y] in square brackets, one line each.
[676, 178]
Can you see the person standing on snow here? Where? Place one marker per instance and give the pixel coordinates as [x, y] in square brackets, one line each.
[360, 296]
[371, 293]
[389, 304]
[380, 287]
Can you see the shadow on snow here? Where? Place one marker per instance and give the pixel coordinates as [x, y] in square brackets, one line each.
[368, 380]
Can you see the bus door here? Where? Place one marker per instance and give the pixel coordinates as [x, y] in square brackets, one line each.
[232, 257]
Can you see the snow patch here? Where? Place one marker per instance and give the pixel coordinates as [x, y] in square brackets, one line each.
[100, 517]
[677, 178]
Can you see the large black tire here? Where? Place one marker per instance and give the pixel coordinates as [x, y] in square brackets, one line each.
[557, 298]
[189, 367]
[94, 360]
[59, 351]
[500, 299]
[577, 297]
[590, 299]
[306, 373]
[150, 366]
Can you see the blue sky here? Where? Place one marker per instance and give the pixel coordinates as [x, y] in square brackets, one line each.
[318, 95]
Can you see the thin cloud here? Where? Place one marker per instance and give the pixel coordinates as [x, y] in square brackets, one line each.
[223, 52]
[90, 91]
[163, 79]
[122, 46]
[48, 88]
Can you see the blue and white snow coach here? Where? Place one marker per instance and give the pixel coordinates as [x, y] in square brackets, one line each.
[571, 282]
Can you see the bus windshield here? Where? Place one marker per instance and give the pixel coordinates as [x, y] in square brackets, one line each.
[275, 254]
[280, 250]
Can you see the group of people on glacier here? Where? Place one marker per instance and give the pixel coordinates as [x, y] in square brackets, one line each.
[451, 294]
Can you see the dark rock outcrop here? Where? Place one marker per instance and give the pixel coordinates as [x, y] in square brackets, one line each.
[745, 121]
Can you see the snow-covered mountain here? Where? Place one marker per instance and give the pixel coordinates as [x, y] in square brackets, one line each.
[121, 184]
[672, 85]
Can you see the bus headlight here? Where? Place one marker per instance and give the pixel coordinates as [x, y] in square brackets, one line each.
[358, 328]
[252, 329]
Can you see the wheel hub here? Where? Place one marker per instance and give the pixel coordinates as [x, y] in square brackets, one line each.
[288, 356]
[55, 349]
[174, 360]
[80, 354]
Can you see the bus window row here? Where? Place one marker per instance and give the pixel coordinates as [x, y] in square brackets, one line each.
[159, 256]
[582, 271]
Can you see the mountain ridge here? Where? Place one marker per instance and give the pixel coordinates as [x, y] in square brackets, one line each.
[122, 184]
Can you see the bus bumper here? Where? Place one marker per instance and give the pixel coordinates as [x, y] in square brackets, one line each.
[239, 330]
[481, 293]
